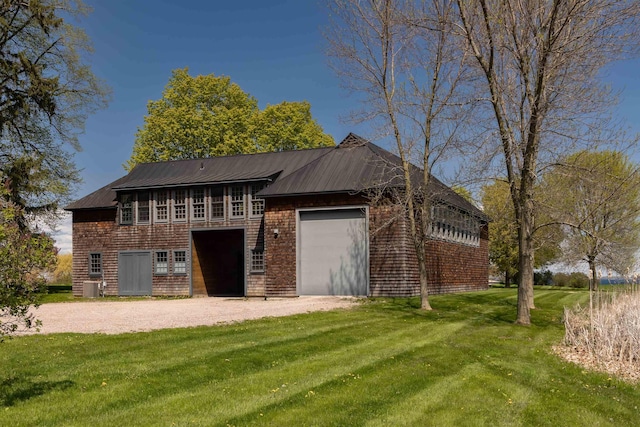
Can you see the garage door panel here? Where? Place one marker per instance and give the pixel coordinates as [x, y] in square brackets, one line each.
[333, 253]
[134, 273]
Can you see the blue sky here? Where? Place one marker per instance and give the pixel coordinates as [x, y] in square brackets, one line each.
[273, 49]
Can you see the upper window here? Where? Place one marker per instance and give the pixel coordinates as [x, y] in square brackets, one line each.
[237, 201]
[179, 262]
[197, 204]
[143, 208]
[257, 204]
[95, 264]
[161, 207]
[179, 205]
[126, 209]
[217, 202]
[162, 263]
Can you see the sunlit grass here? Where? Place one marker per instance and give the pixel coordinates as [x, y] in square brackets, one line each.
[382, 363]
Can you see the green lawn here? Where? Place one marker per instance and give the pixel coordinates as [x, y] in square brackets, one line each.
[57, 293]
[383, 363]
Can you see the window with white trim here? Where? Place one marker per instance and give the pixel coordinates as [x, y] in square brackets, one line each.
[126, 209]
[179, 262]
[217, 202]
[143, 208]
[179, 205]
[197, 204]
[161, 212]
[237, 201]
[257, 260]
[257, 203]
[95, 264]
[162, 263]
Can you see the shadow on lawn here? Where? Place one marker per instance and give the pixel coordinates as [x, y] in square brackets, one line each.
[480, 307]
[18, 389]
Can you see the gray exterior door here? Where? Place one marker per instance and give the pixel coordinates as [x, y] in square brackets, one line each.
[134, 273]
[333, 252]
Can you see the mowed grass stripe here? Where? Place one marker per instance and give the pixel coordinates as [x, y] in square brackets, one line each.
[382, 363]
[254, 391]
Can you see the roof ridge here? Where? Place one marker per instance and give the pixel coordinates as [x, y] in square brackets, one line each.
[231, 156]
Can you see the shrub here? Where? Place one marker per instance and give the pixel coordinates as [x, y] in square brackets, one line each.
[543, 278]
[561, 279]
[611, 335]
[578, 280]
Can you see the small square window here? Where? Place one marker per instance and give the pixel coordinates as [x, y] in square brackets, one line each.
[95, 264]
[180, 262]
[257, 260]
[162, 263]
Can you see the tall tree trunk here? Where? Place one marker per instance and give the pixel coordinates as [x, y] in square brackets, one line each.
[526, 257]
[424, 290]
[507, 279]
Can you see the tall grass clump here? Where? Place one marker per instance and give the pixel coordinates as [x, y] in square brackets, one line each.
[607, 334]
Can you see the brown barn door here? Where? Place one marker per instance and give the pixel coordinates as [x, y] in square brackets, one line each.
[218, 263]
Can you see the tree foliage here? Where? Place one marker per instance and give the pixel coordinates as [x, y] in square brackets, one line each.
[24, 258]
[597, 199]
[64, 269]
[503, 232]
[208, 116]
[46, 93]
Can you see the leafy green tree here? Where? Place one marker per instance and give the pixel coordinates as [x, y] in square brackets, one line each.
[288, 126]
[503, 233]
[46, 94]
[208, 116]
[596, 196]
[64, 269]
[24, 258]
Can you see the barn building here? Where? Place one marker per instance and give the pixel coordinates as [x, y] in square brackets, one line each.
[277, 224]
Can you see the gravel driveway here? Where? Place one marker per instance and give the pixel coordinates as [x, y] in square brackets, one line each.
[114, 317]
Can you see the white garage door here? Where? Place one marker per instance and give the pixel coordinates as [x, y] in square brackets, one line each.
[333, 252]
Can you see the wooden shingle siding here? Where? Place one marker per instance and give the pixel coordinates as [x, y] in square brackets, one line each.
[393, 266]
[97, 231]
[458, 268]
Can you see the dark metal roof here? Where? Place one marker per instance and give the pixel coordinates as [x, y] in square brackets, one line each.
[103, 198]
[356, 165]
[228, 169]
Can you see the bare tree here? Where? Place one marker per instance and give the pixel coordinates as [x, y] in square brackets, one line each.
[400, 58]
[540, 64]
